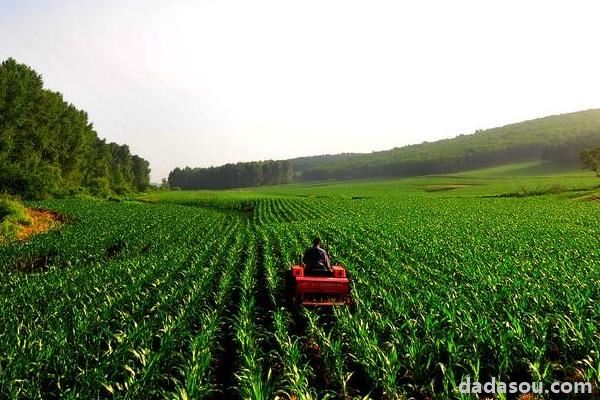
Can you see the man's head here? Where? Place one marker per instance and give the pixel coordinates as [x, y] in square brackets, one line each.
[316, 241]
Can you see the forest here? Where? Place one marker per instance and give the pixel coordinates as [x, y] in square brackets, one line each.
[241, 174]
[48, 147]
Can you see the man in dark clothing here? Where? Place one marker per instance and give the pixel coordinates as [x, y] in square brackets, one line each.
[316, 260]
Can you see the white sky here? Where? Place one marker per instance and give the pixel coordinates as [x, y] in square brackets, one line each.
[203, 83]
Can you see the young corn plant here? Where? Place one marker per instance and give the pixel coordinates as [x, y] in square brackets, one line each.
[254, 380]
[332, 348]
[296, 370]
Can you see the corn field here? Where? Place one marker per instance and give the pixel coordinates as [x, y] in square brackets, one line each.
[184, 298]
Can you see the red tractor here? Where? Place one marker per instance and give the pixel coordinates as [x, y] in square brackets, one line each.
[320, 290]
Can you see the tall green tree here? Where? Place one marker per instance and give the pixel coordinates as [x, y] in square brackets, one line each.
[591, 159]
[141, 173]
[48, 146]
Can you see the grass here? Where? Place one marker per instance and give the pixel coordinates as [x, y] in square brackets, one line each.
[13, 215]
[526, 169]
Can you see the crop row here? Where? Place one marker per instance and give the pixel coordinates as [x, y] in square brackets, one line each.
[187, 301]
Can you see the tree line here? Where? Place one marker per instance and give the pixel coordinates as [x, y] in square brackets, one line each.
[241, 174]
[49, 147]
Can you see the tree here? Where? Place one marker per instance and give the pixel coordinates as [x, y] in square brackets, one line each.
[242, 174]
[141, 173]
[164, 184]
[590, 159]
[48, 146]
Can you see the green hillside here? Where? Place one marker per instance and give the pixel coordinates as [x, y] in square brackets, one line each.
[549, 145]
[557, 139]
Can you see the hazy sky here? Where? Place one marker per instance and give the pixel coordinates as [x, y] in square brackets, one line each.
[203, 83]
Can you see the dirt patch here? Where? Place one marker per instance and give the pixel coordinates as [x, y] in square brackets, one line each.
[443, 188]
[322, 379]
[585, 197]
[115, 248]
[39, 263]
[557, 189]
[41, 221]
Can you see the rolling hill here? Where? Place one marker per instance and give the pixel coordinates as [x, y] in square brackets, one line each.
[557, 138]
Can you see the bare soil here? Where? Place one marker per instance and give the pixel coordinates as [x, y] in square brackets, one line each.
[41, 221]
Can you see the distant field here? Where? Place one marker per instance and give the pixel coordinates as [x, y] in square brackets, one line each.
[529, 169]
[532, 176]
[489, 273]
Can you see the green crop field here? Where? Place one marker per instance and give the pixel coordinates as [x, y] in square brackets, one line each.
[180, 295]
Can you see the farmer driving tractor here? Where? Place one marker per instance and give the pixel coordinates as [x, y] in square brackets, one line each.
[316, 260]
[317, 282]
